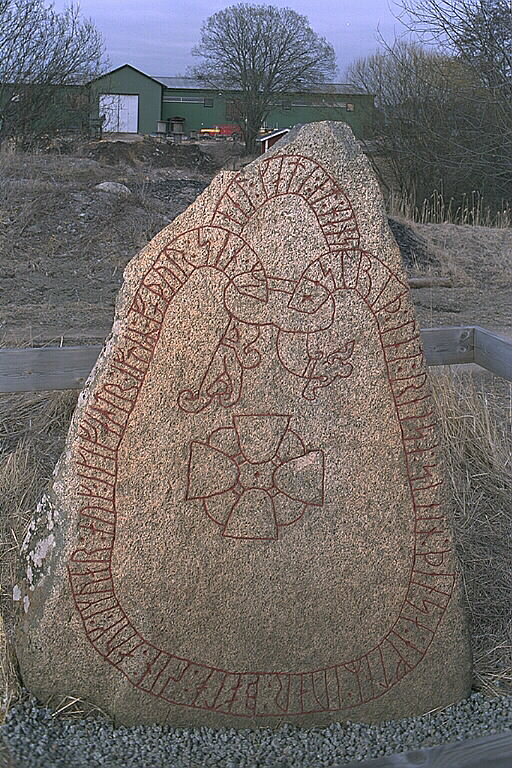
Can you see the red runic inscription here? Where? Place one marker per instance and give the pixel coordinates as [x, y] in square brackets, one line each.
[252, 299]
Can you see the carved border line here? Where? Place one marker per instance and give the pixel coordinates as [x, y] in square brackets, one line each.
[257, 694]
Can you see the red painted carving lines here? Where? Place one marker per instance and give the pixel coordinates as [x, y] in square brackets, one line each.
[255, 477]
[296, 175]
[412, 633]
[102, 427]
[224, 375]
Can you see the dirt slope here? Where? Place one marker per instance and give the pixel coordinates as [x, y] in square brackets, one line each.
[64, 244]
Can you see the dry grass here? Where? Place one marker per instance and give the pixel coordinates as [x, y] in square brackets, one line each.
[477, 434]
[46, 200]
[477, 446]
[436, 210]
[32, 432]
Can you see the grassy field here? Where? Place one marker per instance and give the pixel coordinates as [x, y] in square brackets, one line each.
[63, 246]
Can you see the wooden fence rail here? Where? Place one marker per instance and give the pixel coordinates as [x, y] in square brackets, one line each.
[48, 368]
[493, 751]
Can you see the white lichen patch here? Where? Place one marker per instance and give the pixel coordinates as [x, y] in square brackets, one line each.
[16, 593]
[42, 550]
[30, 531]
[46, 517]
[38, 543]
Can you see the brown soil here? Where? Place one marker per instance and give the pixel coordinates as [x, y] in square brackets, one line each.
[479, 260]
[64, 244]
[150, 153]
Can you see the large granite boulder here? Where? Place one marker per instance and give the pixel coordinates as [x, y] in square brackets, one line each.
[250, 522]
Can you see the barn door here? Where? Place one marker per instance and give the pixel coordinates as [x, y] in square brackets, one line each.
[121, 112]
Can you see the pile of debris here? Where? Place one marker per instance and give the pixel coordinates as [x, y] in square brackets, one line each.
[155, 153]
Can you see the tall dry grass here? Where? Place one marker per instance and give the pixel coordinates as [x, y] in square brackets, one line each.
[476, 431]
[32, 432]
[476, 423]
[471, 210]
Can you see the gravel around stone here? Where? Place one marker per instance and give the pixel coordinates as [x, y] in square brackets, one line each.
[35, 739]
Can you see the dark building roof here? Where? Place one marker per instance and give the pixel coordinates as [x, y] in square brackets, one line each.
[181, 82]
[191, 83]
[336, 88]
[194, 84]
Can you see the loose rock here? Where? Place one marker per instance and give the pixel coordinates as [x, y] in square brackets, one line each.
[250, 521]
[36, 739]
[114, 188]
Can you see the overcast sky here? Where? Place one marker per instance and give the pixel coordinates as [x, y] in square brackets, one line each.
[156, 36]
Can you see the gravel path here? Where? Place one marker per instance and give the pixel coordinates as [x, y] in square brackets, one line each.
[35, 739]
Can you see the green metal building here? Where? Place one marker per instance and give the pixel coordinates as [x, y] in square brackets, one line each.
[134, 102]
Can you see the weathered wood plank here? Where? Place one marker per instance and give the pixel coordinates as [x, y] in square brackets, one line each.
[493, 751]
[45, 368]
[448, 346]
[49, 335]
[494, 353]
[48, 368]
[430, 282]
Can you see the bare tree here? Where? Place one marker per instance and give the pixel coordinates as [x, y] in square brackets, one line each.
[444, 123]
[45, 57]
[479, 32]
[403, 80]
[254, 53]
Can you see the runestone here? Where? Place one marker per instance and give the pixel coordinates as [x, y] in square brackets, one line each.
[250, 523]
